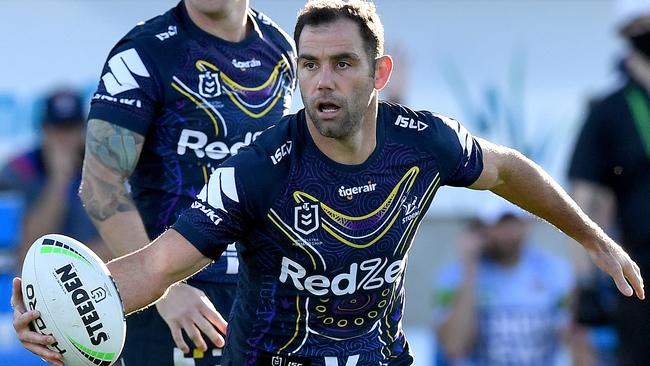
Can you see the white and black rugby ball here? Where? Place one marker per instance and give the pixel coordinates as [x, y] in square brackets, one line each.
[79, 304]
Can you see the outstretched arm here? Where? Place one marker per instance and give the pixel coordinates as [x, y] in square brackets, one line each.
[512, 176]
[143, 276]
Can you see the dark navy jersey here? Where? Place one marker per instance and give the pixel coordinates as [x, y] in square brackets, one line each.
[197, 99]
[323, 246]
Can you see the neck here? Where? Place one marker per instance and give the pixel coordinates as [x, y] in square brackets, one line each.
[354, 149]
[639, 68]
[229, 25]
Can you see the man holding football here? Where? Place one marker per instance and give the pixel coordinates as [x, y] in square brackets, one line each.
[322, 274]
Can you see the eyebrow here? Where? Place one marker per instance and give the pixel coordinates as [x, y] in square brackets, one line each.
[338, 56]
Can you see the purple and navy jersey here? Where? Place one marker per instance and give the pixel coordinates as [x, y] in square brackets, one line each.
[323, 246]
[197, 99]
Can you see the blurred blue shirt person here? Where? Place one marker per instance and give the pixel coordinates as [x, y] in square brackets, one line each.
[505, 302]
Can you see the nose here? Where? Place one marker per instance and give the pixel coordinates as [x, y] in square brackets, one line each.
[325, 78]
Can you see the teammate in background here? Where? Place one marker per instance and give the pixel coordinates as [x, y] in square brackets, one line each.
[179, 94]
[610, 170]
[498, 305]
[48, 176]
[324, 207]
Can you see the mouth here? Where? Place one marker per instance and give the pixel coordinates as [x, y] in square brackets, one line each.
[327, 109]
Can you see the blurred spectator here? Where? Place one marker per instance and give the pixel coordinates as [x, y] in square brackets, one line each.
[48, 176]
[505, 302]
[610, 172]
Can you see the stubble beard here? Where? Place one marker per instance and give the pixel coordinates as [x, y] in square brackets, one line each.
[340, 128]
[348, 123]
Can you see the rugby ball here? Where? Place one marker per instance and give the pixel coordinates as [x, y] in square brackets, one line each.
[79, 304]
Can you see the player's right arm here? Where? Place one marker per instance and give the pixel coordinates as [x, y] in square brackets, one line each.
[112, 153]
[141, 277]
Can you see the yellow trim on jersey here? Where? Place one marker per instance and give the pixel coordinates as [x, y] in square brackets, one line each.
[295, 334]
[256, 115]
[205, 174]
[200, 105]
[327, 228]
[293, 240]
[341, 218]
[203, 65]
[427, 198]
[392, 339]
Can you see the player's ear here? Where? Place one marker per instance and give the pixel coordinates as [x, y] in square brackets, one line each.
[383, 69]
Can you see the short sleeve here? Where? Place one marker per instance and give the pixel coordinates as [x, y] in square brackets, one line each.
[589, 160]
[128, 94]
[217, 217]
[459, 154]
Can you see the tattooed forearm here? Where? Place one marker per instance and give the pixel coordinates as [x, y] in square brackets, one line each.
[115, 147]
[111, 155]
[104, 199]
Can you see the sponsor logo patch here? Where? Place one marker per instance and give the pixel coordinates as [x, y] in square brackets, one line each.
[410, 123]
[368, 275]
[197, 141]
[122, 68]
[349, 192]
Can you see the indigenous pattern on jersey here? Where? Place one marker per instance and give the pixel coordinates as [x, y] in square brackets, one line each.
[323, 246]
[197, 99]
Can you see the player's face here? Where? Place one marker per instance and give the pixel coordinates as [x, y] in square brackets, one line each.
[336, 77]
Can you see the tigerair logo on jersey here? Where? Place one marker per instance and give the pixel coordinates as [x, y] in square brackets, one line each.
[122, 67]
[197, 141]
[410, 123]
[209, 84]
[246, 64]
[352, 191]
[367, 275]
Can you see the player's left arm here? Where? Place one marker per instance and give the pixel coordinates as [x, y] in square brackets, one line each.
[511, 175]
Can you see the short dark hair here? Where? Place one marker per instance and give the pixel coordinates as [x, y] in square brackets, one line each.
[363, 13]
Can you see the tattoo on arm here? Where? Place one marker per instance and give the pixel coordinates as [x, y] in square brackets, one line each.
[114, 146]
[112, 153]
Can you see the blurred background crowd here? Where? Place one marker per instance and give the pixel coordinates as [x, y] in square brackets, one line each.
[565, 82]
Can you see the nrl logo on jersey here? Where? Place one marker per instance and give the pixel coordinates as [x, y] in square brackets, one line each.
[306, 219]
[209, 84]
